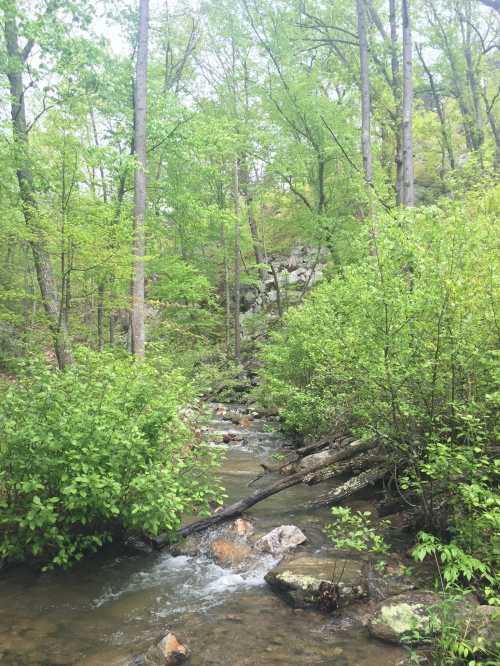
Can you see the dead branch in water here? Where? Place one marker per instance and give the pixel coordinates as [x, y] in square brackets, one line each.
[245, 503]
[350, 487]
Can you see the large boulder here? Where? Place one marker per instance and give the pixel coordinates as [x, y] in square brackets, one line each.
[168, 652]
[324, 583]
[280, 540]
[404, 617]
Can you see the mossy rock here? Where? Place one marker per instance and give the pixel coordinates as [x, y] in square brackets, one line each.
[311, 581]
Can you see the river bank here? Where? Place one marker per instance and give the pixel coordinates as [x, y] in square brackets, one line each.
[110, 610]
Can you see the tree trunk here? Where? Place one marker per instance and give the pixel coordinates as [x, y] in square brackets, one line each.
[396, 93]
[237, 262]
[257, 245]
[477, 121]
[439, 110]
[490, 114]
[408, 170]
[41, 256]
[355, 465]
[227, 295]
[354, 485]
[279, 301]
[456, 80]
[366, 145]
[100, 315]
[140, 184]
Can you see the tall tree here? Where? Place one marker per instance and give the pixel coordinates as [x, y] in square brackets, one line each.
[366, 145]
[140, 182]
[408, 198]
[17, 58]
[237, 261]
[396, 92]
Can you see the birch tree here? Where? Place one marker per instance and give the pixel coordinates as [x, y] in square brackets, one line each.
[140, 182]
[408, 198]
[366, 146]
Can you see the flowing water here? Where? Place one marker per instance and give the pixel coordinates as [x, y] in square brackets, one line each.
[108, 608]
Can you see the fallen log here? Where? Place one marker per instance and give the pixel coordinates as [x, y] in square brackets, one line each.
[350, 487]
[245, 503]
[303, 452]
[354, 465]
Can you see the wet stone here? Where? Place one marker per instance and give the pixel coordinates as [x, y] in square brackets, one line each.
[280, 540]
[317, 582]
[230, 553]
[168, 652]
[403, 616]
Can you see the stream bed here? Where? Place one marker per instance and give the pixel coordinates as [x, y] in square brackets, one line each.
[109, 608]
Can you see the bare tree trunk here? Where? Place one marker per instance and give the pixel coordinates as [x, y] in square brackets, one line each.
[354, 485]
[41, 257]
[439, 110]
[227, 295]
[321, 184]
[477, 123]
[67, 291]
[139, 246]
[366, 145]
[237, 262]
[257, 245]
[396, 93]
[277, 287]
[456, 80]
[100, 315]
[408, 170]
[245, 187]
[490, 114]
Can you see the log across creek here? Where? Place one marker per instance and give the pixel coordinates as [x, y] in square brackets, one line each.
[344, 452]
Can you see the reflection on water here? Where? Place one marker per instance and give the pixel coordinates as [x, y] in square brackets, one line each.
[109, 608]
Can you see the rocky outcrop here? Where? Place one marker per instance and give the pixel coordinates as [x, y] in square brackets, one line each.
[324, 583]
[404, 618]
[295, 273]
[281, 540]
[168, 652]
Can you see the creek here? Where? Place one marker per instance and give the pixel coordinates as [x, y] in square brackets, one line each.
[108, 608]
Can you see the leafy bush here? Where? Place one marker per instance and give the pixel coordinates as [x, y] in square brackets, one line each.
[354, 531]
[402, 347]
[92, 451]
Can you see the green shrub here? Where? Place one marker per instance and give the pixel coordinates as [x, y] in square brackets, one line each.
[393, 345]
[355, 531]
[402, 347]
[92, 451]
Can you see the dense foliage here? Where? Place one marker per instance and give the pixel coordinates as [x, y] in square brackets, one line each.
[90, 452]
[365, 134]
[403, 347]
[274, 86]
